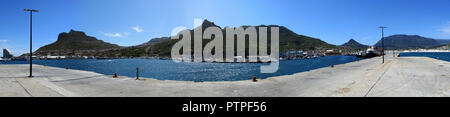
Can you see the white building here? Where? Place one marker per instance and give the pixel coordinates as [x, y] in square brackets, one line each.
[52, 57]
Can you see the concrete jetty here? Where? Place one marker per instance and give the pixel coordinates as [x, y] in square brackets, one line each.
[403, 76]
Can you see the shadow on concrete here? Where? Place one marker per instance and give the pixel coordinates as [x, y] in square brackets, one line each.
[26, 77]
[74, 79]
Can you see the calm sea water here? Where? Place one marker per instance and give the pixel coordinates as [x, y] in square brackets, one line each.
[169, 70]
[437, 55]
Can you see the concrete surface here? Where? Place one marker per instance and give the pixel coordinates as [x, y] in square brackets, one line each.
[405, 76]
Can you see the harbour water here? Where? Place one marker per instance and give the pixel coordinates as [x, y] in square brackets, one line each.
[436, 55]
[190, 71]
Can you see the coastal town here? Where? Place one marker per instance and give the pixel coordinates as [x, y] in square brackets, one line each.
[288, 55]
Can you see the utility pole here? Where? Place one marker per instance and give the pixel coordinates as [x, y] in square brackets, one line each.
[31, 39]
[382, 40]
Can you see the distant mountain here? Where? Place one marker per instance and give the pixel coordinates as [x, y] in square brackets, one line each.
[442, 47]
[155, 41]
[408, 42]
[443, 41]
[75, 43]
[135, 51]
[289, 40]
[354, 45]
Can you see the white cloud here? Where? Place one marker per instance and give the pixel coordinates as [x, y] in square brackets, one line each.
[137, 29]
[113, 35]
[3, 41]
[445, 30]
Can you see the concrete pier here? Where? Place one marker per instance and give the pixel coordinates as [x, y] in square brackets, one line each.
[404, 76]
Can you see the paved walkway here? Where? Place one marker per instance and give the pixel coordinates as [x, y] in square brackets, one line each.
[405, 76]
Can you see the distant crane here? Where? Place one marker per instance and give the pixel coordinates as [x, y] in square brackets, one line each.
[31, 39]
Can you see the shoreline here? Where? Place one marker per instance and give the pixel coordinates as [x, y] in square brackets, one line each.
[423, 50]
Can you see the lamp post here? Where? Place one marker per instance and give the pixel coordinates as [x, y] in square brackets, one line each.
[31, 39]
[382, 40]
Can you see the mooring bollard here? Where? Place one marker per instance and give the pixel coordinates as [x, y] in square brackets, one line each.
[67, 67]
[254, 79]
[137, 73]
[115, 75]
[332, 66]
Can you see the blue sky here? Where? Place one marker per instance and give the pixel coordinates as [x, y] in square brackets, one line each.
[132, 22]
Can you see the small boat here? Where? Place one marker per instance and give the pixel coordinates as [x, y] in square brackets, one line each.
[369, 53]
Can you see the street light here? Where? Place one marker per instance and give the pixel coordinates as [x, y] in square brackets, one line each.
[31, 39]
[382, 40]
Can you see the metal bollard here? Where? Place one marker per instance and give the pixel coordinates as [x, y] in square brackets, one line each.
[115, 75]
[254, 79]
[137, 73]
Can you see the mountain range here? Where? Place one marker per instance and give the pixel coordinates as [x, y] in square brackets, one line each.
[444, 47]
[443, 41]
[78, 43]
[402, 41]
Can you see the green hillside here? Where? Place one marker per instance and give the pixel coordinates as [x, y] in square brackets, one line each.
[288, 41]
[75, 41]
